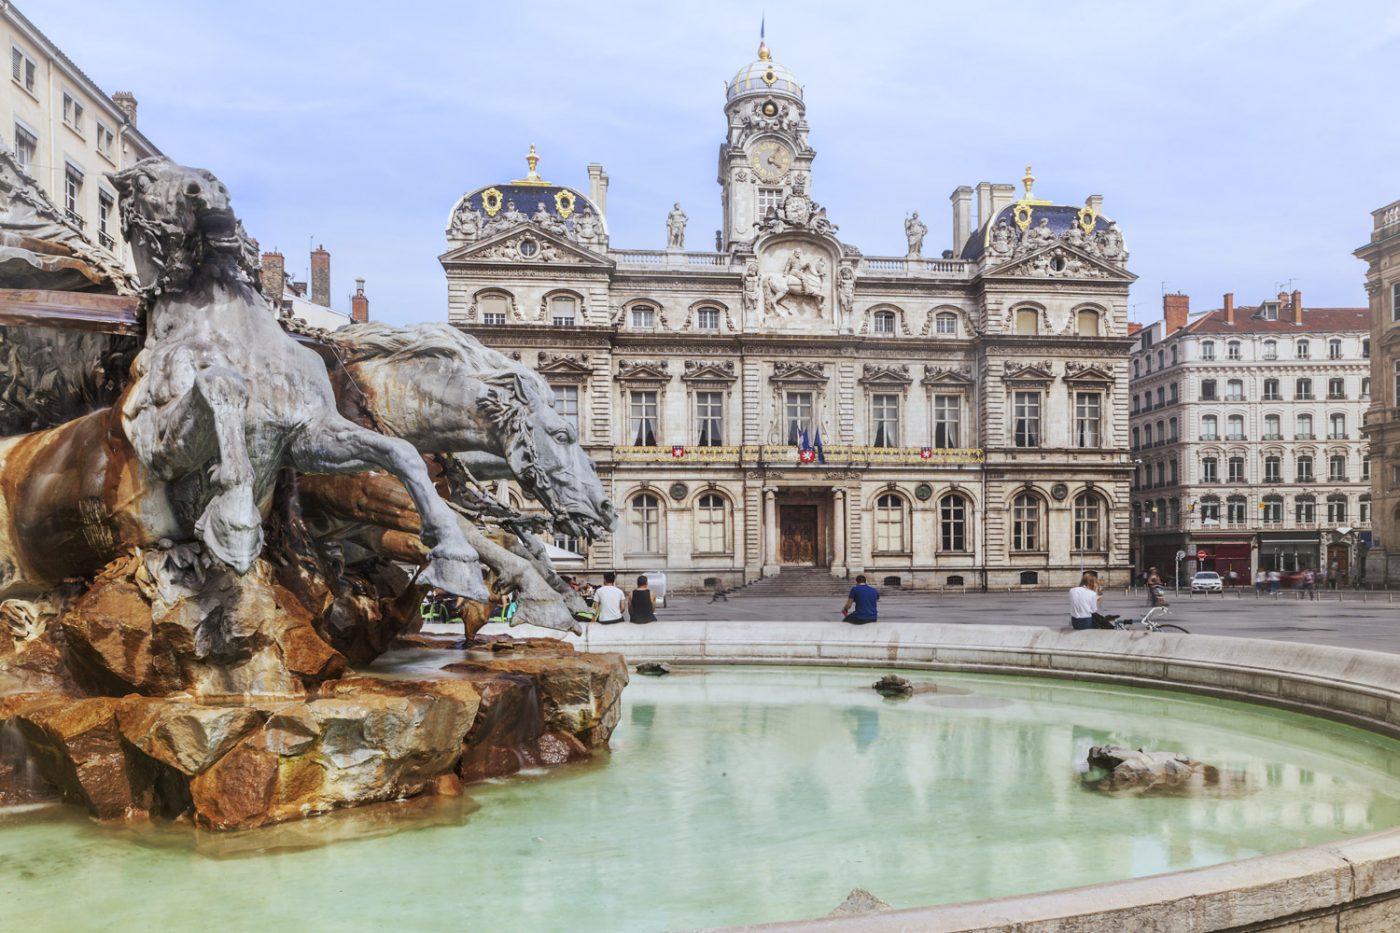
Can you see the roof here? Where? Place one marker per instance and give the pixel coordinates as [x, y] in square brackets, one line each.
[1315, 321]
[1058, 219]
[763, 76]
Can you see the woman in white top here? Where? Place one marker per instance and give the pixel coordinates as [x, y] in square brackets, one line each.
[1084, 601]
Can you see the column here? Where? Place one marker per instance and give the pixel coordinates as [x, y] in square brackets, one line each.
[838, 536]
[770, 532]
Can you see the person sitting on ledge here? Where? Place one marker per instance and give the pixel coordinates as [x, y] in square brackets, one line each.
[1084, 601]
[863, 598]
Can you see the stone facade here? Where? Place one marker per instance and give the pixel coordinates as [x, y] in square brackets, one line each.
[1382, 258]
[787, 400]
[1245, 431]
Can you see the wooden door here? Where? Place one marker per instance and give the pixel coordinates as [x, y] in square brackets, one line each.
[797, 529]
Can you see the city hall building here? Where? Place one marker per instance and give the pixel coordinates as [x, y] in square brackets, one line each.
[784, 400]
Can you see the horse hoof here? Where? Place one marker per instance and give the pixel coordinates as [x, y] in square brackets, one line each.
[231, 528]
[546, 613]
[458, 577]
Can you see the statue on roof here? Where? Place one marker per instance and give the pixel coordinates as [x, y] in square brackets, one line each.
[675, 228]
[914, 231]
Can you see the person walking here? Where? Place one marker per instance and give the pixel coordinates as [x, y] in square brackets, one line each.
[642, 606]
[861, 603]
[1275, 580]
[1261, 579]
[1084, 601]
[608, 601]
[719, 593]
[1308, 581]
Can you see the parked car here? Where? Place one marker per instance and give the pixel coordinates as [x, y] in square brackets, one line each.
[1207, 581]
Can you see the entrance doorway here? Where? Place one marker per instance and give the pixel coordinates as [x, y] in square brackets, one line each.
[797, 534]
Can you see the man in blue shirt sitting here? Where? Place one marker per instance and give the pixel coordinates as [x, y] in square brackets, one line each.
[863, 598]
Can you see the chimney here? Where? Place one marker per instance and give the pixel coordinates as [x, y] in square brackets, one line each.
[984, 203]
[274, 277]
[126, 103]
[1133, 328]
[1229, 307]
[359, 304]
[1002, 196]
[598, 187]
[962, 217]
[1094, 202]
[1176, 311]
[1297, 304]
[321, 277]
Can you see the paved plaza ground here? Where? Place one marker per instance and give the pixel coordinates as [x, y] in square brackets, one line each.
[1348, 618]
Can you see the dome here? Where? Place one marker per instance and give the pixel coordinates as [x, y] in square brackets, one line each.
[553, 207]
[1058, 219]
[764, 76]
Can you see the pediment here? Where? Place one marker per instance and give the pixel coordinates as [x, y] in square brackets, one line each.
[567, 366]
[893, 374]
[1058, 261]
[708, 371]
[526, 244]
[643, 371]
[1039, 373]
[1086, 373]
[947, 377]
[792, 371]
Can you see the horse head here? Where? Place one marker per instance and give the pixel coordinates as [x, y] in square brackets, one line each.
[176, 219]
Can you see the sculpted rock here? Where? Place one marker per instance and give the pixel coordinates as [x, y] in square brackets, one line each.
[653, 668]
[858, 903]
[185, 736]
[580, 694]
[1134, 771]
[892, 685]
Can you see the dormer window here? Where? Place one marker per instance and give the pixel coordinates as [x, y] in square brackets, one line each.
[1269, 311]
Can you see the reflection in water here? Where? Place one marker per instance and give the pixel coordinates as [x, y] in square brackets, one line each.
[743, 795]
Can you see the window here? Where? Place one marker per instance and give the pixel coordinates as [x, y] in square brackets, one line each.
[1366, 468]
[1171, 431]
[946, 323]
[1273, 428]
[1273, 469]
[1087, 323]
[493, 308]
[1159, 359]
[73, 113]
[1235, 510]
[1209, 428]
[1303, 349]
[1337, 427]
[646, 523]
[1363, 514]
[1337, 468]
[769, 198]
[1207, 390]
[884, 410]
[1161, 397]
[105, 204]
[947, 417]
[1271, 391]
[1210, 510]
[1304, 471]
[1027, 415]
[1336, 387]
[1088, 419]
[566, 403]
[642, 419]
[1025, 523]
[1161, 474]
[22, 68]
[1271, 310]
[1173, 472]
[1397, 382]
[1365, 348]
[643, 317]
[1334, 349]
[1135, 404]
[710, 532]
[709, 417]
[882, 322]
[1088, 521]
[1273, 510]
[1232, 350]
[707, 319]
[1304, 431]
[562, 309]
[1210, 470]
[1365, 387]
[1173, 354]
[1136, 371]
[1305, 510]
[568, 542]
[1270, 349]
[1235, 466]
[1175, 511]
[799, 415]
[952, 523]
[73, 194]
[1027, 321]
[1161, 433]
[1173, 393]
[26, 147]
[1136, 443]
[1234, 390]
[889, 524]
[1234, 428]
[1208, 349]
[1336, 509]
[1302, 390]
[105, 140]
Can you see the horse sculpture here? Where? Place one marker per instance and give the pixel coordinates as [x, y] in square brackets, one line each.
[802, 276]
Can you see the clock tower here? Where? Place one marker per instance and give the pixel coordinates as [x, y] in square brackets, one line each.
[765, 156]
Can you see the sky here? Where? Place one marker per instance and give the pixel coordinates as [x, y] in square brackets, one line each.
[1240, 145]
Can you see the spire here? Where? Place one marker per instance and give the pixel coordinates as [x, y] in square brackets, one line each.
[533, 178]
[1028, 180]
[763, 54]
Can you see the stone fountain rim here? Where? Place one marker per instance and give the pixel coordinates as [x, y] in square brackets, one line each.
[1358, 878]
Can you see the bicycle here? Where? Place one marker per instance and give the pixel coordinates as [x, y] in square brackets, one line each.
[1148, 621]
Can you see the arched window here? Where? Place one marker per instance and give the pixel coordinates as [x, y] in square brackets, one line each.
[1175, 512]
[945, 323]
[1161, 397]
[1136, 369]
[707, 318]
[1337, 468]
[1304, 471]
[711, 525]
[1234, 428]
[1235, 509]
[1235, 466]
[889, 524]
[1210, 430]
[1161, 473]
[563, 310]
[1232, 350]
[494, 308]
[952, 523]
[1337, 427]
[1210, 469]
[1173, 348]
[1210, 510]
[643, 317]
[1088, 523]
[1336, 509]
[1273, 469]
[1027, 321]
[1087, 323]
[1273, 509]
[1273, 428]
[646, 523]
[1305, 510]
[1302, 390]
[1303, 349]
[1271, 390]
[1334, 349]
[1026, 524]
[1135, 438]
[1304, 427]
[1171, 430]
[882, 322]
[1161, 432]
[1270, 349]
[1137, 515]
[1234, 390]
[1207, 349]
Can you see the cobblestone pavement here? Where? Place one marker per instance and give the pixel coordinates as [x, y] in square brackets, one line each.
[1347, 618]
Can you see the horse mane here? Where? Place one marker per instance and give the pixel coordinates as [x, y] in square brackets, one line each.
[375, 340]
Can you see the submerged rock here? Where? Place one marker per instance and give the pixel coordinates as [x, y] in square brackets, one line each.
[859, 902]
[1135, 771]
[893, 686]
[654, 668]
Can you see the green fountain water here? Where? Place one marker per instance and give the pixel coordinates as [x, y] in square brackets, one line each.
[738, 795]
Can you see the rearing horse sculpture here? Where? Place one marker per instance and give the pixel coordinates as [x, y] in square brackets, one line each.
[224, 397]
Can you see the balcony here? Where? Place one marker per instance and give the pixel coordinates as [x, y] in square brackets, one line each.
[1305, 437]
[1337, 437]
[105, 239]
[1236, 437]
[1272, 437]
[75, 219]
[1336, 396]
[1210, 437]
[784, 454]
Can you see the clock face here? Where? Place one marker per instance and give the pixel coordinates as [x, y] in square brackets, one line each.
[771, 160]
